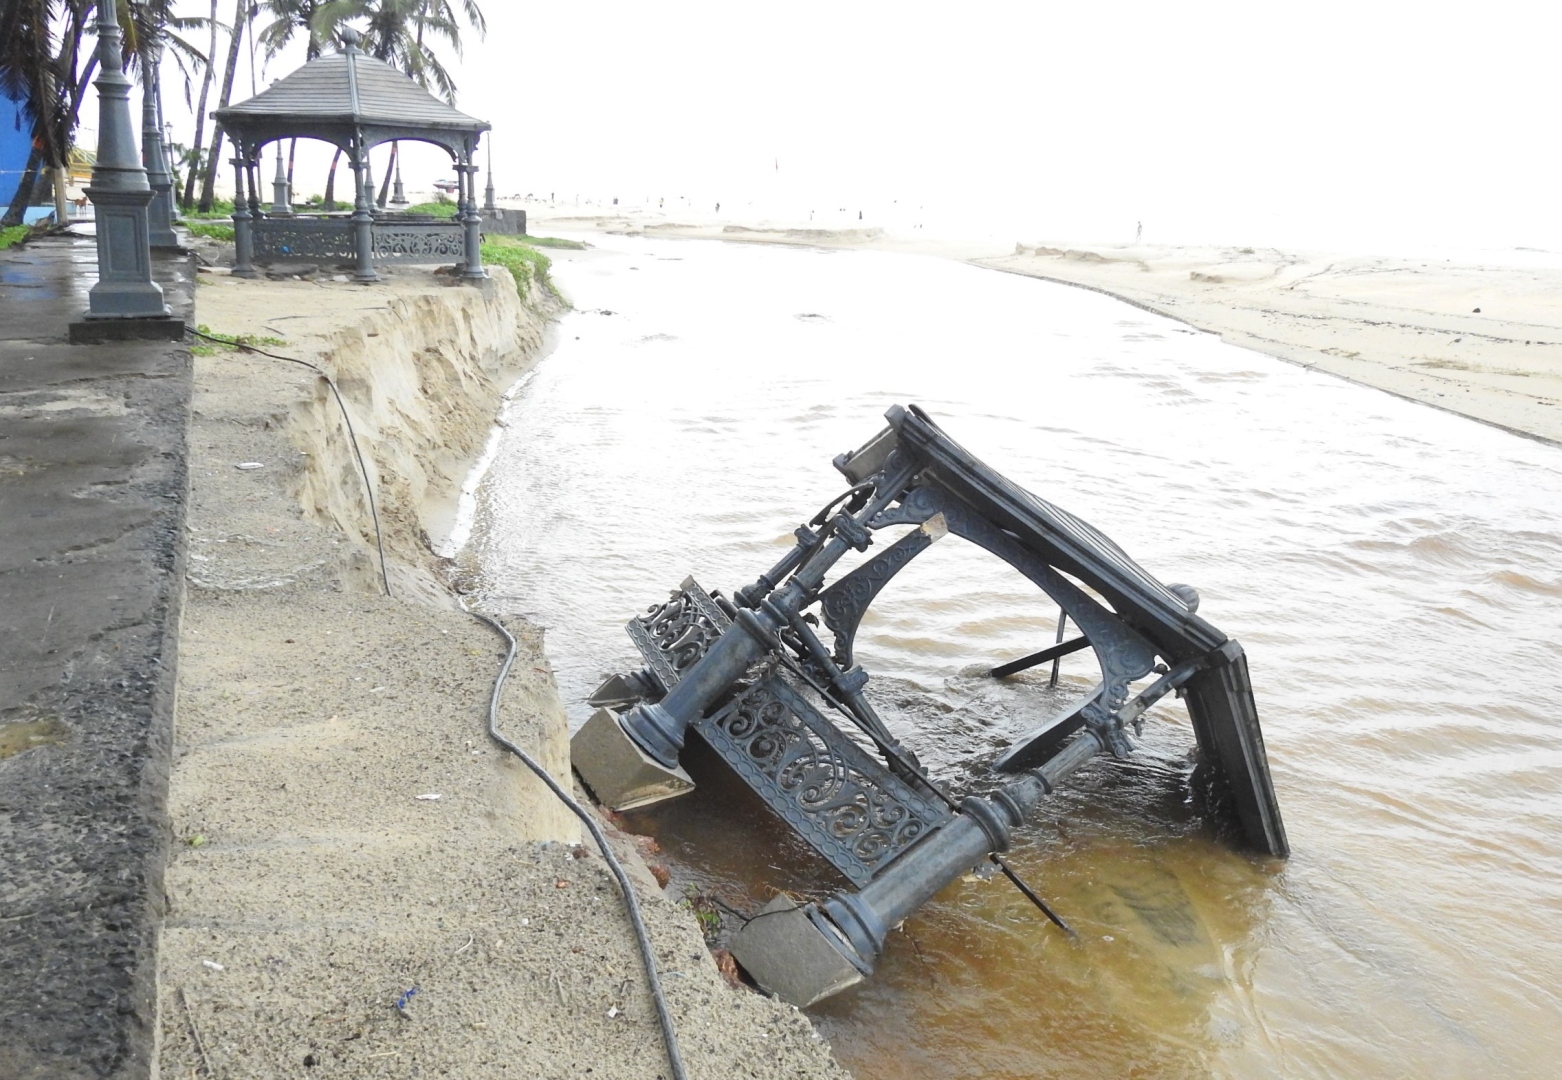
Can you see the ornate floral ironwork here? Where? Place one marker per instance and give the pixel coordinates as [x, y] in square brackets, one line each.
[852, 810]
[330, 239]
[674, 635]
[419, 242]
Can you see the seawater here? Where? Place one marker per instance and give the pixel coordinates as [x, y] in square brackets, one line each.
[1394, 572]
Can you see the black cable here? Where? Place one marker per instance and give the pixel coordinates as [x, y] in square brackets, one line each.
[630, 900]
[368, 488]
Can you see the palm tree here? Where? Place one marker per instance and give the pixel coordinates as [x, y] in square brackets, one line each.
[200, 115]
[243, 14]
[289, 17]
[43, 74]
[400, 32]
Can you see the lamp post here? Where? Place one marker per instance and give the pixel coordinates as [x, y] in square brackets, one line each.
[125, 302]
[281, 197]
[159, 221]
[398, 193]
[168, 153]
[488, 192]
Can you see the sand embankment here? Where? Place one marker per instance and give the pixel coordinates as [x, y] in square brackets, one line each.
[346, 838]
[1480, 339]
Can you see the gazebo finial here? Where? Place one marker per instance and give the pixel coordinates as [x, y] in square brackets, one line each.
[349, 38]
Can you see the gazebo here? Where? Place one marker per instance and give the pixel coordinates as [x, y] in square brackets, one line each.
[355, 102]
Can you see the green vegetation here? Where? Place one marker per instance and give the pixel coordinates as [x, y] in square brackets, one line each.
[527, 264]
[14, 235]
[214, 232]
[705, 913]
[443, 208]
[221, 208]
[551, 242]
[227, 342]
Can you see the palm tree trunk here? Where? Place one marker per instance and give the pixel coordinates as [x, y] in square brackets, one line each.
[390, 170]
[330, 182]
[214, 161]
[200, 117]
[292, 148]
[24, 191]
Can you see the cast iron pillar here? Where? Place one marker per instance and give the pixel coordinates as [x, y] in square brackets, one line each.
[805, 954]
[488, 192]
[168, 153]
[243, 221]
[280, 196]
[120, 194]
[363, 219]
[160, 228]
[471, 224]
[398, 193]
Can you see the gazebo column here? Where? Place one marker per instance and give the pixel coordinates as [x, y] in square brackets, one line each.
[243, 233]
[471, 223]
[363, 220]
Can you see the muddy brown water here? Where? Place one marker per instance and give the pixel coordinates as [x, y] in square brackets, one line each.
[1394, 572]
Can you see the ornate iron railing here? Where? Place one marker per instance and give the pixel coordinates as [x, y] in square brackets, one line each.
[330, 239]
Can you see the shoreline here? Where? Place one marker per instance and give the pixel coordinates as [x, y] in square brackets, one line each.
[1479, 341]
[359, 880]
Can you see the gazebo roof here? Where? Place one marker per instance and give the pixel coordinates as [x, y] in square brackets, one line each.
[346, 94]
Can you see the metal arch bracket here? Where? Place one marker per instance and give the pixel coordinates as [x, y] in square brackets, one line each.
[844, 603]
[1123, 654]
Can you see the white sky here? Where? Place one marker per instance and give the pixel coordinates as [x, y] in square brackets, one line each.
[1374, 126]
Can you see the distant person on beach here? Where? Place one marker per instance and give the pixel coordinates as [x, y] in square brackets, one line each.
[1138, 232]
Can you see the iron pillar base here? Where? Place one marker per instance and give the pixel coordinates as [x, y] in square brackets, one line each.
[95, 330]
[620, 774]
[789, 955]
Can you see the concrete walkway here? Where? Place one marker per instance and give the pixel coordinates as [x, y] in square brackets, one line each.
[92, 495]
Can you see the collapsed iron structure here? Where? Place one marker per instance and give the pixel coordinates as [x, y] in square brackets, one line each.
[738, 672]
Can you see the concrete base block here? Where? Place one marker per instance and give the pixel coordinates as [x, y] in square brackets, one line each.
[788, 955]
[90, 331]
[620, 774]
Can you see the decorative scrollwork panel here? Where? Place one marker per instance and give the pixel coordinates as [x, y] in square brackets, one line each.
[852, 810]
[673, 636]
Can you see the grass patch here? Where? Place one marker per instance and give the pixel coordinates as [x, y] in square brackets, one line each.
[221, 208]
[213, 232]
[527, 264]
[14, 235]
[228, 342]
[551, 242]
[441, 209]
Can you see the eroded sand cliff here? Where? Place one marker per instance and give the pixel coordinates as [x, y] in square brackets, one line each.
[346, 837]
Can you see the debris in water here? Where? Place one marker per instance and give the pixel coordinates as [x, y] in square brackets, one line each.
[751, 677]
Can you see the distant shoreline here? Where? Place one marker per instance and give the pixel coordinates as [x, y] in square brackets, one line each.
[1480, 341]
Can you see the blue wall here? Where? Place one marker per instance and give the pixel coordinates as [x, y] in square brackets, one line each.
[16, 142]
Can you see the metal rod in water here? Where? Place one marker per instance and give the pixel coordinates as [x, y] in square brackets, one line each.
[1052, 683]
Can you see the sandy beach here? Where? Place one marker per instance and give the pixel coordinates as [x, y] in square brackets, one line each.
[1483, 340]
[362, 883]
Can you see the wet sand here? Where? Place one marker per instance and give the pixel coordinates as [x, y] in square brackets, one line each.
[361, 883]
[1480, 340]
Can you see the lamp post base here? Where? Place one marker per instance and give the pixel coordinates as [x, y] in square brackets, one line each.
[98, 329]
